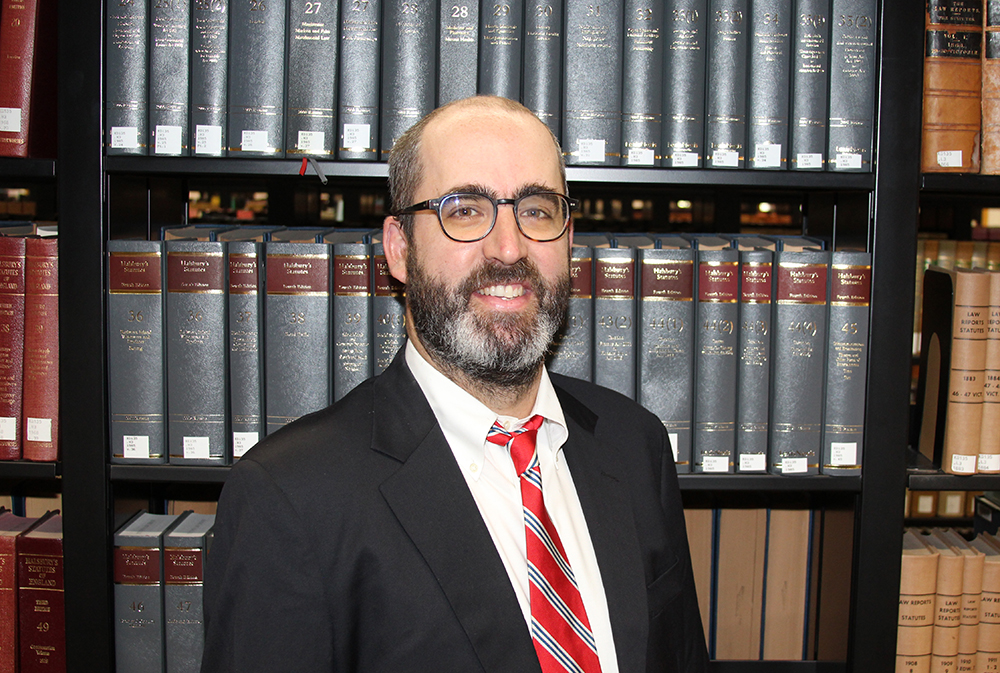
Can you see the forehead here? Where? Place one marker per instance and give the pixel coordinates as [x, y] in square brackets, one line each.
[497, 149]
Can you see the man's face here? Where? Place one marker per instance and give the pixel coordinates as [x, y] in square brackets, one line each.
[488, 308]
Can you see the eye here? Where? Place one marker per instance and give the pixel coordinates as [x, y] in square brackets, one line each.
[463, 209]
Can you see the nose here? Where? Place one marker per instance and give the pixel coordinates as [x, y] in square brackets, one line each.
[505, 243]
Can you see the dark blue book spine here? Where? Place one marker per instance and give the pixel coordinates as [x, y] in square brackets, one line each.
[458, 50]
[543, 46]
[311, 97]
[501, 29]
[683, 144]
[726, 123]
[852, 85]
[810, 84]
[169, 77]
[126, 94]
[360, 65]
[642, 95]
[209, 75]
[770, 83]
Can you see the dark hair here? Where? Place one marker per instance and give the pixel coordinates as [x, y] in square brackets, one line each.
[405, 169]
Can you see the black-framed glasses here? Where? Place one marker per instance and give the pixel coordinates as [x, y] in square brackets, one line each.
[466, 218]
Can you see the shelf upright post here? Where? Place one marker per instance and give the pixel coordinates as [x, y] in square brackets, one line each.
[83, 413]
[892, 241]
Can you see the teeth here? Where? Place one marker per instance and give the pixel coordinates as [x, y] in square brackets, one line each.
[503, 291]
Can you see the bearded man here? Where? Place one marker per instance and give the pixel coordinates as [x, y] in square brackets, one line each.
[464, 511]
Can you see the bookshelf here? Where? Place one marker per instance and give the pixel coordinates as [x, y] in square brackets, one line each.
[98, 195]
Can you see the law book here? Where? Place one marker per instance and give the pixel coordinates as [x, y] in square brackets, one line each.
[852, 85]
[753, 393]
[614, 319]
[738, 599]
[989, 437]
[209, 77]
[196, 344]
[988, 631]
[246, 344]
[126, 81]
[810, 84]
[458, 50]
[40, 406]
[388, 312]
[769, 89]
[699, 523]
[185, 548]
[990, 94]
[972, 593]
[12, 280]
[360, 65]
[541, 84]
[11, 526]
[40, 597]
[592, 83]
[136, 354]
[797, 361]
[685, 28]
[409, 66]
[787, 578]
[352, 311]
[257, 57]
[952, 93]
[947, 601]
[716, 337]
[28, 53]
[952, 366]
[846, 363]
[726, 76]
[311, 89]
[140, 642]
[642, 93]
[501, 33]
[917, 584]
[169, 77]
[572, 350]
[834, 584]
[666, 340]
[297, 339]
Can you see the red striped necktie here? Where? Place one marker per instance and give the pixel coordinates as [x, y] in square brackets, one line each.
[560, 629]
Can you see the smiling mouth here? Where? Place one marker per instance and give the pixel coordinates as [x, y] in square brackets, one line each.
[503, 291]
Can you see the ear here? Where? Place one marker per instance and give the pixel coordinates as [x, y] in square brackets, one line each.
[394, 243]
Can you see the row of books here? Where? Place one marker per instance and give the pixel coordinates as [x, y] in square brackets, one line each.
[773, 582]
[28, 64]
[769, 84]
[961, 96]
[949, 593]
[940, 504]
[159, 562]
[958, 390]
[32, 605]
[215, 343]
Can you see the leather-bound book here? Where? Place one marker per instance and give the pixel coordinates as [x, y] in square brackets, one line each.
[541, 84]
[972, 594]
[126, 81]
[572, 351]
[947, 601]
[852, 85]
[769, 90]
[952, 113]
[810, 84]
[458, 50]
[989, 437]
[11, 527]
[642, 93]
[28, 53]
[311, 91]
[209, 77]
[169, 77]
[409, 66]
[753, 395]
[40, 408]
[12, 263]
[917, 583]
[388, 312]
[360, 63]
[683, 144]
[990, 141]
[501, 33]
[726, 72]
[40, 597]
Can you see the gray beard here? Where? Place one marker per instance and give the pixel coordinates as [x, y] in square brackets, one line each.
[498, 350]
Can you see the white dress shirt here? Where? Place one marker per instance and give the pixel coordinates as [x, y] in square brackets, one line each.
[489, 471]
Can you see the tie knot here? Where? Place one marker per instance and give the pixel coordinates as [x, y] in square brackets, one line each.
[520, 442]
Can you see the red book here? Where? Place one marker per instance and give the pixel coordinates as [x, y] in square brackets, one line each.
[40, 409]
[10, 527]
[12, 249]
[40, 599]
[28, 78]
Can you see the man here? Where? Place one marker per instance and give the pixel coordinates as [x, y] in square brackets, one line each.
[463, 511]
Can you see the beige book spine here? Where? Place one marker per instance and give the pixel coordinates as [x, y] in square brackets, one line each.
[989, 438]
[917, 589]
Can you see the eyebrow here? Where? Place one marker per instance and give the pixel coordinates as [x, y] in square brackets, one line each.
[523, 190]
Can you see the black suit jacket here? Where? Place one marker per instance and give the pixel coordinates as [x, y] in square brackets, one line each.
[349, 541]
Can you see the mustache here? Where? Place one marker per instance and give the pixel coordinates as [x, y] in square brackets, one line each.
[521, 271]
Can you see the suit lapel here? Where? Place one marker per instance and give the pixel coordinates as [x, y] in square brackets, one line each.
[429, 497]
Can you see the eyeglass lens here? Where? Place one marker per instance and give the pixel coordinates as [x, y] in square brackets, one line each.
[469, 216]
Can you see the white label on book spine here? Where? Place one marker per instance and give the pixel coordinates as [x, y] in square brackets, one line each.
[640, 156]
[39, 429]
[767, 155]
[809, 160]
[848, 161]
[954, 504]
[10, 119]
[715, 463]
[794, 465]
[311, 141]
[726, 158]
[949, 158]
[135, 446]
[8, 428]
[254, 141]
[168, 140]
[685, 160]
[207, 139]
[196, 447]
[989, 462]
[753, 462]
[963, 464]
[590, 149]
[357, 136]
[925, 504]
[672, 436]
[124, 137]
[843, 453]
[243, 441]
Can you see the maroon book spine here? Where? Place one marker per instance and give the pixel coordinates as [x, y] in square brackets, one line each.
[40, 416]
[27, 78]
[41, 602]
[12, 263]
